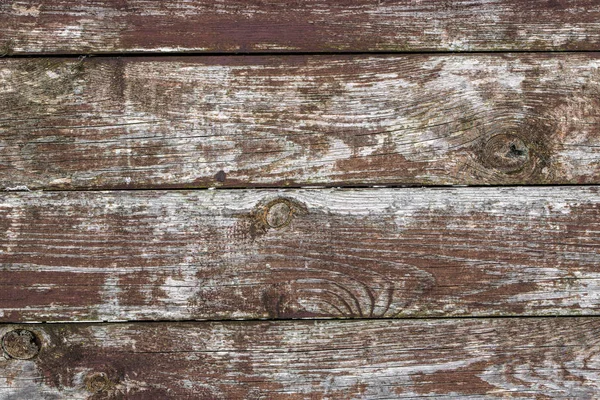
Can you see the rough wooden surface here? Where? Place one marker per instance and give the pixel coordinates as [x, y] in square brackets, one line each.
[300, 120]
[225, 254]
[303, 120]
[466, 359]
[106, 26]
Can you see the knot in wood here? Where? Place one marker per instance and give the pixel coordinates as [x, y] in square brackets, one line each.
[278, 213]
[506, 153]
[20, 344]
[97, 382]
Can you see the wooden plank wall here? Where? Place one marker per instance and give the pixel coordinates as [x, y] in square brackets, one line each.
[302, 199]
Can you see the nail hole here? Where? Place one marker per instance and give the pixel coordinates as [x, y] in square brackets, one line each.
[220, 176]
[21, 344]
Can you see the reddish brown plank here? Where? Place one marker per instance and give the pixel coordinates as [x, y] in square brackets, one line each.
[466, 359]
[223, 254]
[299, 120]
[108, 26]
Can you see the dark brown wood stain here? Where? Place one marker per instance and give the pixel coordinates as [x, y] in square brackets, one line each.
[315, 266]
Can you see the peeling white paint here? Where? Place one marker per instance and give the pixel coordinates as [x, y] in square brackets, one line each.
[20, 8]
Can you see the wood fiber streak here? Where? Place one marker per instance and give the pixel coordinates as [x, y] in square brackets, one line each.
[299, 120]
[377, 253]
[108, 26]
[466, 359]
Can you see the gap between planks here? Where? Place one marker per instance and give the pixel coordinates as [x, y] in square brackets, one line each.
[68, 56]
[275, 188]
[290, 320]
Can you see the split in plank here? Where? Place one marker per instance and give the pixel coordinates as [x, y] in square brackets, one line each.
[248, 254]
[109, 26]
[143, 123]
[467, 359]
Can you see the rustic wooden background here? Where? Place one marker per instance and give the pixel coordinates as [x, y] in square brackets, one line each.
[299, 199]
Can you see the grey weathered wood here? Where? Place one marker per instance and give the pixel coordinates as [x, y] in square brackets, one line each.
[466, 359]
[299, 253]
[105, 26]
[300, 120]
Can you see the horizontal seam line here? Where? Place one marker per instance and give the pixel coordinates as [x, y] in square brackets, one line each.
[300, 320]
[285, 53]
[291, 187]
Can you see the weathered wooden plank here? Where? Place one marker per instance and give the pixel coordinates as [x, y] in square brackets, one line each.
[298, 120]
[106, 26]
[467, 359]
[299, 253]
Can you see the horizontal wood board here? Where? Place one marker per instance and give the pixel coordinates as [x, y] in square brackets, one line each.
[466, 359]
[140, 123]
[247, 254]
[109, 26]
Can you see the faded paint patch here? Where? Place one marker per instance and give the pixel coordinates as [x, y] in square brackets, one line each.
[20, 8]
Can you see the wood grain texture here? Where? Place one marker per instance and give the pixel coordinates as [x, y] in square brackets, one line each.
[108, 26]
[466, 359]
[247, 254]
[299, 120]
